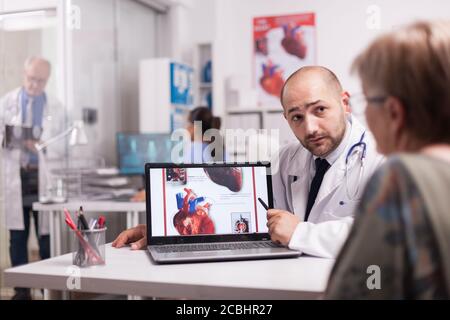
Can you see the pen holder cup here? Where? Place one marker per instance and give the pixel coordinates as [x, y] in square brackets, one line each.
[88, 247]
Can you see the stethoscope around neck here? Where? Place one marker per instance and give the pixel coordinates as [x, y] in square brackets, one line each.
[356, 151]
[358, 148]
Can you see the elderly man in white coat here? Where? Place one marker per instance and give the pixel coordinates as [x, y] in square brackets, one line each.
[26, 107]
[319, 181]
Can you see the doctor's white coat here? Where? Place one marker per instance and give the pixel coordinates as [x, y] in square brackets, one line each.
[52, 124]
[331, 216]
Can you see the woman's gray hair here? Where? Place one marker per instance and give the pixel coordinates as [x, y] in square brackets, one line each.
[413, 64]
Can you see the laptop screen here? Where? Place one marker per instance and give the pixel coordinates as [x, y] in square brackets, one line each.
[205, 200]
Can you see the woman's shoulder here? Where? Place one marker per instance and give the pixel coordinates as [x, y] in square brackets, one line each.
[390, 188]
[394, 186]
[402, 165]
[393, 170]
[392, 230]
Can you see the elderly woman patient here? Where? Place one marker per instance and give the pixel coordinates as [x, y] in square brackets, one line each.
[399, 246]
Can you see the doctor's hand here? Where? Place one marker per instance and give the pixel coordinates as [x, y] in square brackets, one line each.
[137, 236]
[281, 225]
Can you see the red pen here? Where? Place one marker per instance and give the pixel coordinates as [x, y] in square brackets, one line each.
[101, 222]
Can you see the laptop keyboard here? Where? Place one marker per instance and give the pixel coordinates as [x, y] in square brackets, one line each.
[215, 246]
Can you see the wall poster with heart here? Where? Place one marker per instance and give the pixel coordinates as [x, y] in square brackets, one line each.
[282, 44]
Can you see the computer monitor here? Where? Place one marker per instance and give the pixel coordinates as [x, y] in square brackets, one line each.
[134, 150]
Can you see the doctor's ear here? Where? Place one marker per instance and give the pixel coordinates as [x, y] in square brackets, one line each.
[345, 98]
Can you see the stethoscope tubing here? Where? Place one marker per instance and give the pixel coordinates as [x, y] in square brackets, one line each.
[363, 145]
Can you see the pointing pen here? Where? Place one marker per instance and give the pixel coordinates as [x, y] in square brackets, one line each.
[263, 204]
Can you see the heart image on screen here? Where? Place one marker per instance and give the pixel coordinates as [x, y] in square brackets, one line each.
[193, 215]
[230, 178]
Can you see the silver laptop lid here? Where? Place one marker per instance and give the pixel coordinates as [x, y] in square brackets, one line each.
[195, 203]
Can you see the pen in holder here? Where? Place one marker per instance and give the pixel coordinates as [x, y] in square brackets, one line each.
[88, 247]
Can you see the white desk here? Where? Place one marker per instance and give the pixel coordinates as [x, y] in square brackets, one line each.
[131, 209]
[134, 273]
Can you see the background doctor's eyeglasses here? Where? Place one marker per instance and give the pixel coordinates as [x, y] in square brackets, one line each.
[35, 80]
[359, 102]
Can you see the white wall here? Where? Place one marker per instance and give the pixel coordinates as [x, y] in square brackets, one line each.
[136, 41]
[26, 4]
[94, 75]
[341, 31]
[106, 50]
[202, 21]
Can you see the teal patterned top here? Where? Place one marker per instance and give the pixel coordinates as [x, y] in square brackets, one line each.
[391, 231]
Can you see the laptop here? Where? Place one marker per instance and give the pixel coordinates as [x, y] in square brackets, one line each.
[209, 212]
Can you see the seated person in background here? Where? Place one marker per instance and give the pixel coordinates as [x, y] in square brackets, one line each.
[204, 117]
[399, 246]
[201, 120]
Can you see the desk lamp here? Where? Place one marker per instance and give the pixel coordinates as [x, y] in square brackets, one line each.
[77, 137]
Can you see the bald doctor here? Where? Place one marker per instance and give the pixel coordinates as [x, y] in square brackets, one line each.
[319, 180]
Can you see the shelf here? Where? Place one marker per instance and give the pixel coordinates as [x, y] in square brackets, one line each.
[253, 109]
[205, 85]
[244, 109]
[203, 90]
[274, 109]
